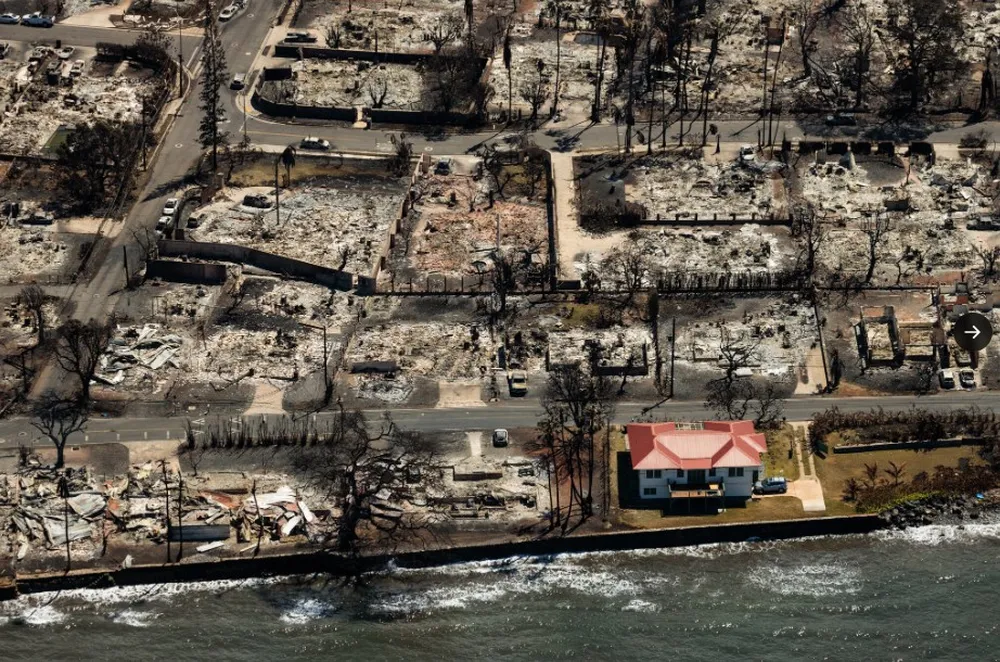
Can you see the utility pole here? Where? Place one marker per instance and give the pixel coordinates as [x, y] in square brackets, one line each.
[64, 493]
[673, 346]
[125, 255]
[277, 200]
[166, 486]
[180, 513]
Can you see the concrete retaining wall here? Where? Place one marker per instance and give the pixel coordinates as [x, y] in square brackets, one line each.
[186, 272]
[310, 562]
[341, 280]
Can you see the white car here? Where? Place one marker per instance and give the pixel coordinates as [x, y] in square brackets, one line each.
[163, 224]
[315, 143]
[746, 153]
[500, 437]
[170, 207]
[228, 12]
[66, 52]
[77, 68]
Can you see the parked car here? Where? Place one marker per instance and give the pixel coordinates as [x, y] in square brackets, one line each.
[66, 52]
[163, 224]
[967, 378]
[517, 383]
[947, 379]
[773, 485]
[38, 53]
[77, 68]
[170, 207]
[37, 20]
[300, 38]
[315, 143]
[443, 167]
[9, 19]
[238, 82]
[500, 437]
[747, 153]
[841, 119]
[193, 222]
[228, 12]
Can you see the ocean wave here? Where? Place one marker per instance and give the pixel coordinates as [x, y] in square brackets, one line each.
[307, 609]
[941, 534]
[640, 605]
[136, 619]
[813, 580]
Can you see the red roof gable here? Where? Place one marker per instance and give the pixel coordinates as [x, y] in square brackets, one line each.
[719, 444]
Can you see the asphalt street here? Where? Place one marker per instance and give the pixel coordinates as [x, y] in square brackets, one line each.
[512, 414]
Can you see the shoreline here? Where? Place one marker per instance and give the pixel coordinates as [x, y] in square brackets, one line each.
[325, 562]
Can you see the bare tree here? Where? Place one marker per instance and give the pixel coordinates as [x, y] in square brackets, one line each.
[876, 227]
[369, 471]
[736, 397]
[58, 418]
[535, 92]
[334, 34]
[859, 36]
[32, 297]
[627, 267]
[807, 226]
[79, 350]
[989, 256]
[444, 31]
[578, 405]
[807, 20]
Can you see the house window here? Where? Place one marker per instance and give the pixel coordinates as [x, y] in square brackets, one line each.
[735, 472]
[680, 473]
[653, 473]
[649, 491]
[711, 473]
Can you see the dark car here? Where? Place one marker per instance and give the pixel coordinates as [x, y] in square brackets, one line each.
[773, 485]
[300, 38]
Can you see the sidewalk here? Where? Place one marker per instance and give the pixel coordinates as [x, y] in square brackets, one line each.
[99, 17]
[807, 488]
[573, 242]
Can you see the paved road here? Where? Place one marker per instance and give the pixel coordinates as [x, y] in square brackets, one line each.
[73, 35]
[16, 431]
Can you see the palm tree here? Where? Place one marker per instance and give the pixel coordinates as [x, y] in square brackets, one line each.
[287, 159]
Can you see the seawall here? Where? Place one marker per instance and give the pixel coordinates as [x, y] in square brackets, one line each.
[333, 564]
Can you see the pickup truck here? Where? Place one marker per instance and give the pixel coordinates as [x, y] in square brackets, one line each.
[517, 383]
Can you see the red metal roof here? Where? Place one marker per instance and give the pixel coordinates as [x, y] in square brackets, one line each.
[720, 444]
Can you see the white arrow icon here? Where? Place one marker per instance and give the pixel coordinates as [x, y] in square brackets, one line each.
[975, 332]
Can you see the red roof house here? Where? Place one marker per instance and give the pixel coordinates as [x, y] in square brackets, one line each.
[718, 445]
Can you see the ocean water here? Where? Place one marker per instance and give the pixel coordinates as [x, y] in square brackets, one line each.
[929, 593]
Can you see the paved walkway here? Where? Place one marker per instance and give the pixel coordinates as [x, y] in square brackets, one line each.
[807, 488]
[573, 242]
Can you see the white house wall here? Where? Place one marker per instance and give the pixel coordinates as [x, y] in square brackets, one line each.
[737, 486]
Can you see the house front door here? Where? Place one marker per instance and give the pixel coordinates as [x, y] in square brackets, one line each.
[696, 477]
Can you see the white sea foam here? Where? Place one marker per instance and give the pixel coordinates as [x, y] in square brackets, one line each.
[305, 610]
[940, 534]
[136, 619]
[816, 580]
[641, 605]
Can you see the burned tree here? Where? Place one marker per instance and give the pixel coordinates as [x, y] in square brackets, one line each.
[921, 45]
[808, 20]
[578, 406]
[627, 268]
[990, 258]
[369, 472]
[808, 228]
[737, 397]
[32, 297]
[876, 227]
[444, 32]
[535, 92]
[399, 162]
[79, 351]
[213, 76]
[97, 161]
[58, 418]
[858, 33]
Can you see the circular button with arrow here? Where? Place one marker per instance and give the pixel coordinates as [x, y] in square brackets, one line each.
[972, 332]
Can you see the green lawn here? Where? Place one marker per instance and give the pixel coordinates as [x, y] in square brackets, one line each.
[778, 461]
[835, 470]
[771, 508]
